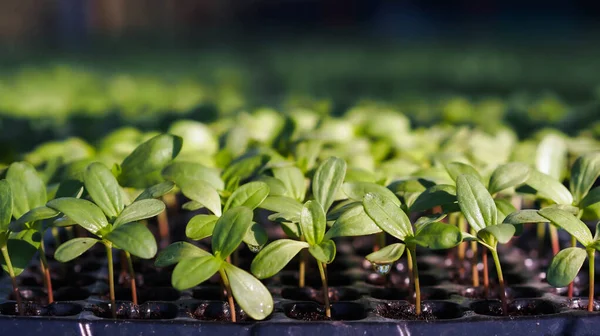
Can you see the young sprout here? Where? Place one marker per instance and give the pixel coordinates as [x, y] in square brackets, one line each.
[110, 221]
[195, 265]
[567, 263]
[480, 211]
[312, 226]
[387, 214]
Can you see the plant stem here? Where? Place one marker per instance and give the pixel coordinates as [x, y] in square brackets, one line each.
[474, 262]
[412, 252]
[13, 278]
[46, 272]
[225, 281]
[573, 244]
[409, 265]
[325, 290]
[500, 281]
[132, 283]
[462, 247]
[591, 254]
[379, 241]
[486, 276]
[111, 278]
[302, 269]
[554, 239]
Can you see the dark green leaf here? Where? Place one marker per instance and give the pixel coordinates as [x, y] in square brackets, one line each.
[139, 210]
[502, 232]
[249, 293]
[438, 236]
[6, 205]
[273, 258]
[570, 223]
[178, 251]
[27, 186]
[82, 212]
[104, 189]
[230, 230]
[73, 248]
[20, 252]
[276, 187]
[324, 251]
[291, 229]
[524, 217]
[353, 222]
[357, 190]
[204, 194]
[156, 191]
[592, 197]
[182, 172]
[249, 195]
[201, 226]
[549, 188]
[194, 271]
[284, 205]
[565, 266]
[504, 207]
[584, 173]
[34, 215]
[192, 206]
[436, 195]
[245, 168]
[389, 217]
[327, 180]
[294, 181]
[387, 255]
[507, 176]
[312, 222]
[143, 167]
[476, 203]
[256, 237]
[69, 188]
[134, 238]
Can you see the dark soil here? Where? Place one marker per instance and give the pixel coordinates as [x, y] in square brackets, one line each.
[146, 311]
[217, 311]
[519, 307]
[432, 310]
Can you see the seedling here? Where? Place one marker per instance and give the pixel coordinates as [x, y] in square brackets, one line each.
[567, 263]
[389, 217]
[110, 221]
[195, 265]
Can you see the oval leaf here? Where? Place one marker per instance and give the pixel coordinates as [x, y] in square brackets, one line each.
[6, 205]
[312, 222]
[456, 169]
[592, 197]
[438, 236]
[549, 188]
[139, 210]
[201, 226]
[508, 176]
[73, 248]
[551, 156]
[357, 191]
[178, 251]
[182, 172]
[327, 180]
[569, 223]
[273, 258]
[104, 189]
[276, 187]
[501, 232]
[475, 202]
[565, 266]
[34, 215]
[21, 252]
[353, 222]
[156, 191]
[134, 238]
[524, 217]
[387, 255]
[249, 293]
[293, 180]
[283, 205]
[27, 186]
[203, 193]
[437, 195]
[584, 173]
[250, 195]
[192, 272]
[69, 188]
[230, 230]
[324, 251]
[83, 212]
[256, 237]
[389, 217]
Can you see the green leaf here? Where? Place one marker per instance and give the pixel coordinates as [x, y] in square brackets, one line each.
[230, 230]
[458, 168]
[551, 156]
[194, 271]
[134, 238]
[245, 168]
[250, 195]
[273, 258]
[565, 266]
[389, 217]
[592, 197]
[549, 188]
[104, 189]
[139, 210]
[507, 176]
[312, 222]
[181, 172]
[156, 191]
[504, 207]
[324, 251]
[437, 195]
[291, 229]
[256, 237]
[192, 206]
[353, 222]
[249, 293]
[27, 186]
[584, 173]
[34, 215]
[201, 226]
[357, 191]
[501, 232]
[476, 203]
[20, 252]
[69, 188]
[294, 181]
[178, 251]
[438, 236]
[143, 167]
[327, 180]
[83, 212]
[73, 248]
[6, 205]
[284, 205]
[569, 223]
[203, 193]
[276, 187]
[387, 255]
[524, 217]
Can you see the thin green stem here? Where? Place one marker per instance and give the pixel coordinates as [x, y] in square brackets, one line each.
[227, 285]
[46, 272]
[412, 251]
[474, 262]
[302, 266]
[554, 239]
[500, 281]
[111, 278]
[132, 283]
[13, 278]
[573, 244]
[591, 254]
[325, 290]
